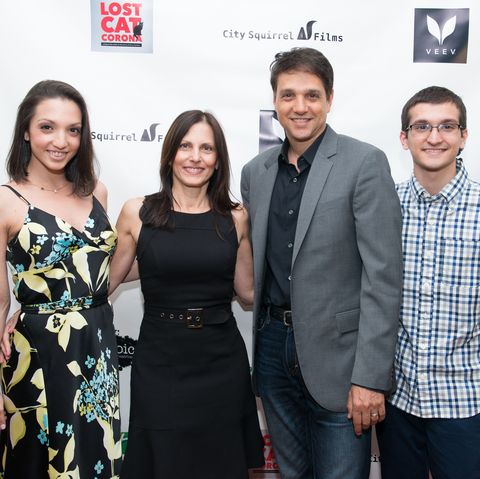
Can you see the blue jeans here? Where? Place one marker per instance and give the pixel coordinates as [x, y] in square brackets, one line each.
[410, 446]
[309, 441]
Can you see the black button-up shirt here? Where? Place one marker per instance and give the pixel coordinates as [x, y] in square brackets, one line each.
[282, 222]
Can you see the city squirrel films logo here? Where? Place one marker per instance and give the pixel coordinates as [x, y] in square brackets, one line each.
[270, 131]
[149, 134]
[441, 35]
[122, 26]
[309, 31]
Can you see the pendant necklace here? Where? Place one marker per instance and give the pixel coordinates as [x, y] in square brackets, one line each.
[54, 190]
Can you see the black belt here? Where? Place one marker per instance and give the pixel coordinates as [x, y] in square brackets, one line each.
[194, 318]
[280, 314]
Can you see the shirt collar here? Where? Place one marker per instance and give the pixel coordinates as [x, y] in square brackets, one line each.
[308, 155]
[448, 192]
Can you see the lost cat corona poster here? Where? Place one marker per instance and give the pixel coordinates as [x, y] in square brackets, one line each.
[125, 27]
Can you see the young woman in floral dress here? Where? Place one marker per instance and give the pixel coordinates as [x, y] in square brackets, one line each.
[60, 380]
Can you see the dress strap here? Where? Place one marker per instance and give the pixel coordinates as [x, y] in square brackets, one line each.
[18, 194]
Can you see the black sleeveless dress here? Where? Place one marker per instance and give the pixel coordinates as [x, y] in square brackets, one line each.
[193, 413]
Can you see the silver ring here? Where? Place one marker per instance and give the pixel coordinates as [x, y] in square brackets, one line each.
[373, 414]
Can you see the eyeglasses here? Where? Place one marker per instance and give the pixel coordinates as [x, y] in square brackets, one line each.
[424, 129]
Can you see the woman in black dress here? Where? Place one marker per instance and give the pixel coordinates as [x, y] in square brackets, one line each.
[192, 413]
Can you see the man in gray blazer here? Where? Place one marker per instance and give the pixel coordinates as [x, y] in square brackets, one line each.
[326, 235]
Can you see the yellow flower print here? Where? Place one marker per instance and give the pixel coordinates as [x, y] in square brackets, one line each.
[62, 323]
[35, 249]
[68, 456]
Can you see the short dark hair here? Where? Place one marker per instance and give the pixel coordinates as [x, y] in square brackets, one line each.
[435, 95]
[81, 168]
[157, 209]
[306, 60]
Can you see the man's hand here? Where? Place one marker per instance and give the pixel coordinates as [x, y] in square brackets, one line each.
[365, 408]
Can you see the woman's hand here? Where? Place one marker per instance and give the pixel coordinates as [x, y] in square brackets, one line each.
[3, 416]
[6, 347]
[5, 352]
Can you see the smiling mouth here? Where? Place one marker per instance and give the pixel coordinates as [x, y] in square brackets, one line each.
[300, 120]
[57, 155]
[193, 170]
[434, 150]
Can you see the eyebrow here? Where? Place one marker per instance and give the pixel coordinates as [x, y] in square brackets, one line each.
[77, 123]
[446, 120]
[291, 90]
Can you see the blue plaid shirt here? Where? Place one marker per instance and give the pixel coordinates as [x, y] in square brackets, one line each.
[437, 363]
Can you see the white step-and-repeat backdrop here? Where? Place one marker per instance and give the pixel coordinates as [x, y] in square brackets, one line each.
[139, 64]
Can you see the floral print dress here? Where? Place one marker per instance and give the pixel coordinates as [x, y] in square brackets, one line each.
[61, 383]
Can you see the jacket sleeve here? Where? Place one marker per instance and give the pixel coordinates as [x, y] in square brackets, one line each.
[245, 187]
[378, 226]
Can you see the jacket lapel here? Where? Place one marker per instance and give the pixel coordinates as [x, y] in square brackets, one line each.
[317, 177]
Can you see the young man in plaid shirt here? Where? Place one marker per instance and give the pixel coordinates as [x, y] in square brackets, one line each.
[433, 417]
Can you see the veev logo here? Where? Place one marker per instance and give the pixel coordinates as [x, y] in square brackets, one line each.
[441, 35]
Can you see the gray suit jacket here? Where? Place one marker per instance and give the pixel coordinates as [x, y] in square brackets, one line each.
[346, 275]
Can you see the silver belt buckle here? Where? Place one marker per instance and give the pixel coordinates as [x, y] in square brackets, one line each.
[194, 318]
[287, 318]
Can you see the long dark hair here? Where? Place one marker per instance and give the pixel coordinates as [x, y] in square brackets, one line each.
[81, 168]
[157, 209]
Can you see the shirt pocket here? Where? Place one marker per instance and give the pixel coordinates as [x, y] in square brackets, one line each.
[458, 294]
[459, 262]
[457, 325]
